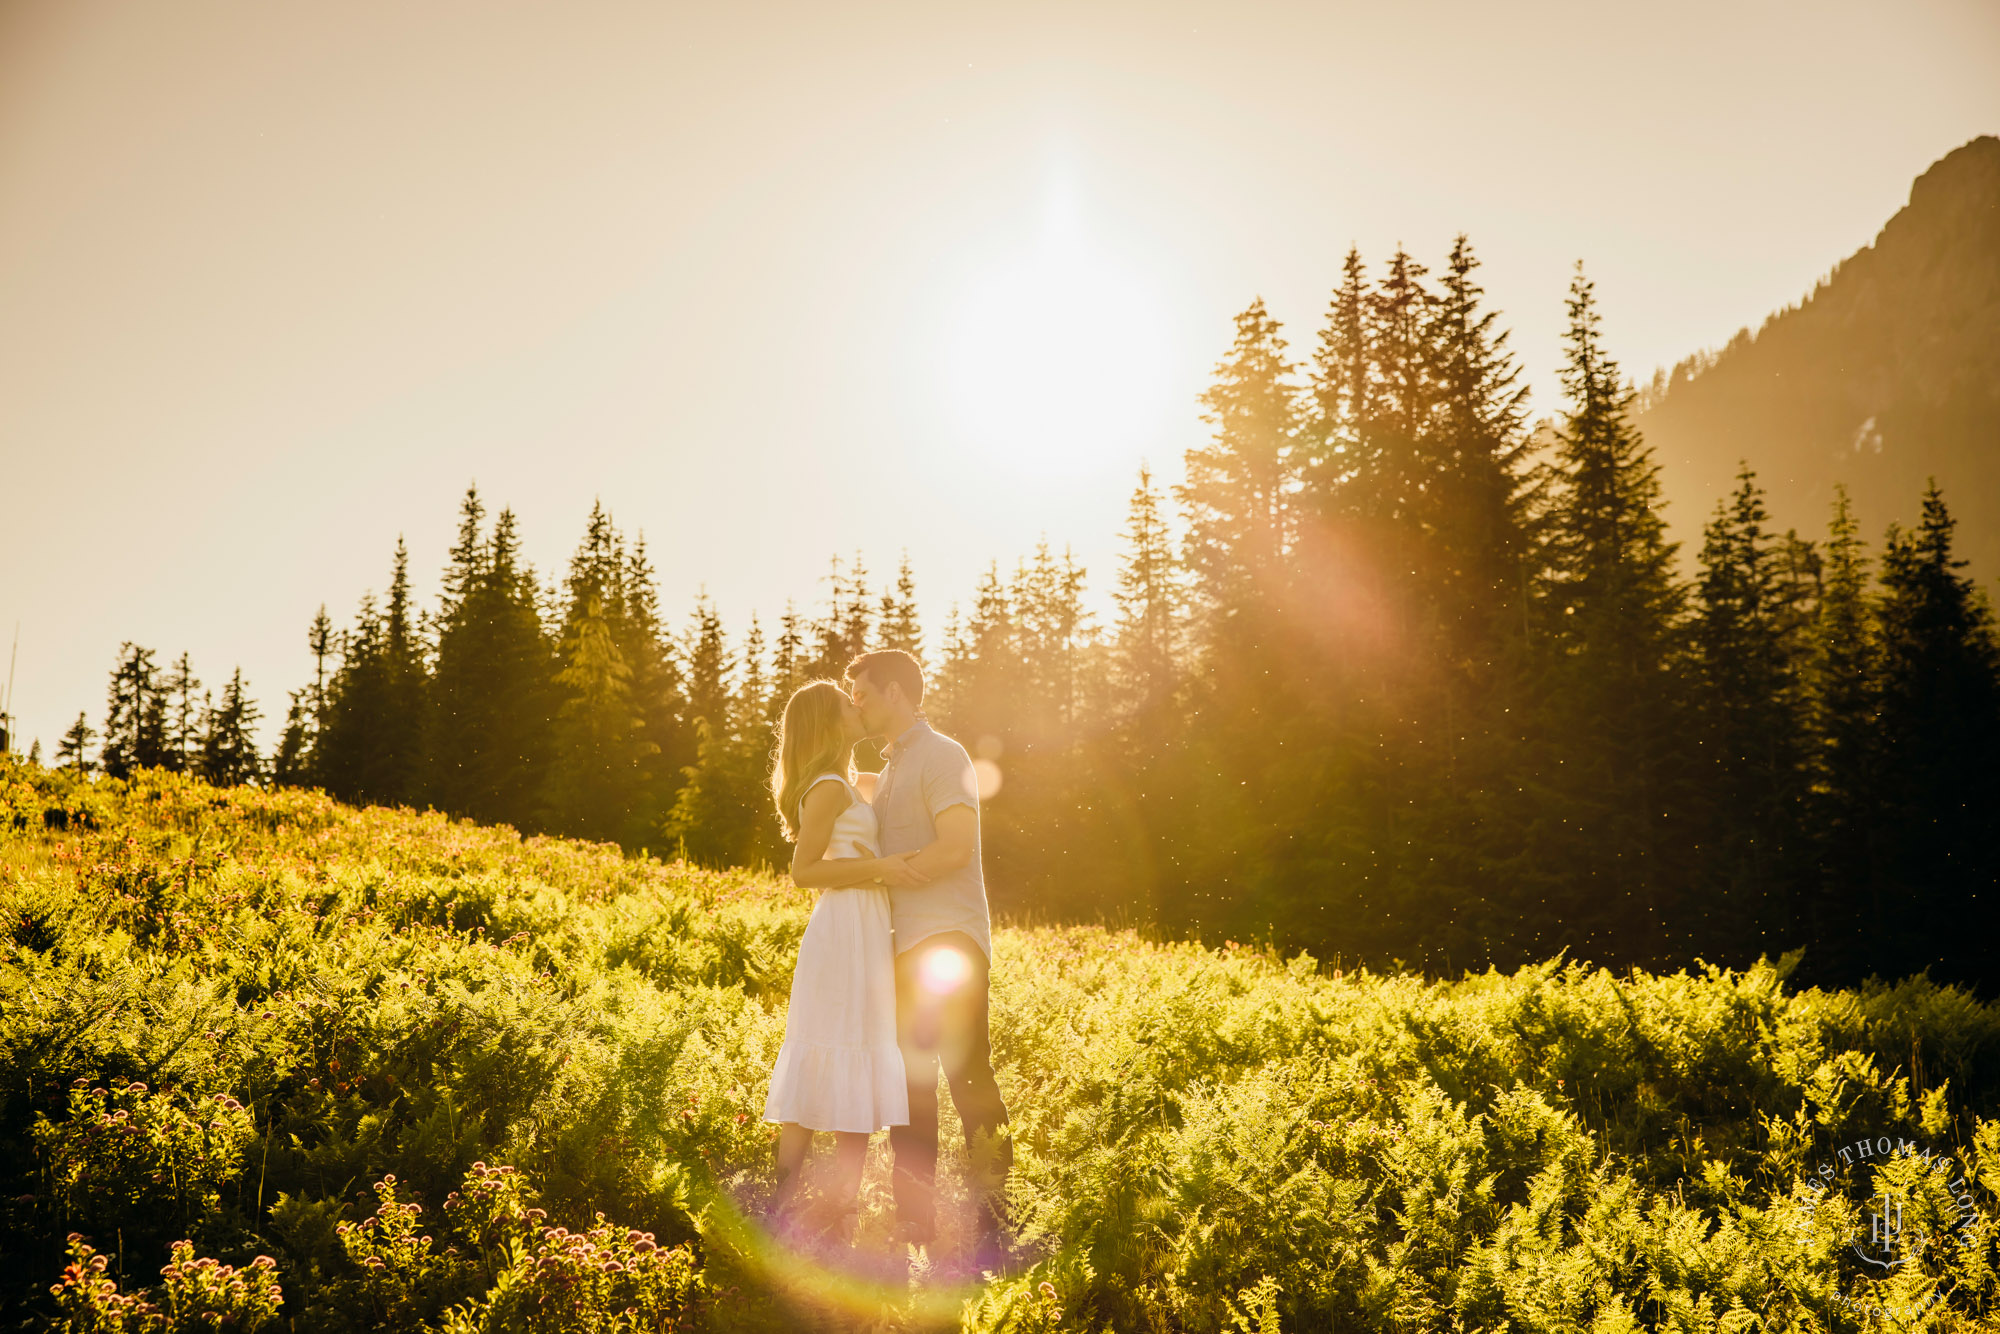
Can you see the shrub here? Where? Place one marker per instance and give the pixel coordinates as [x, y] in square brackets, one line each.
[195, 1294]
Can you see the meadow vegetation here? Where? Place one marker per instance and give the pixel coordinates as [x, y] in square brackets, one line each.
[271, 1061]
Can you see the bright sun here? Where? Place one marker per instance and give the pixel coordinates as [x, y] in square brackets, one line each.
[1062, 354]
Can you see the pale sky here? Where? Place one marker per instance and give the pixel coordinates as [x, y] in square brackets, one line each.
[278, 280]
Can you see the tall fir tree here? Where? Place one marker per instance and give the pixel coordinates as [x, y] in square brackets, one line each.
[897, 621]
[291, 762]
[493, 688]
[354, 744]
[659, 690]
[1749, 639]
[1150, 601]
[1341, 380]
[1612, 766]
[721, 809]
[1480, 506]
[228, 752]
[1238, 488]
[1844, 700]
[135, 718]
[406, 690]
[183, 703]
[594, 778]
[74, 750]
[1937, 874]
[788, 662]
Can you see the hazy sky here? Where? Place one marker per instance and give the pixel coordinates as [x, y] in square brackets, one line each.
[278, 280]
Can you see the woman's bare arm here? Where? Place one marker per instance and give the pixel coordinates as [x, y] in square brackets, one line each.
[813, 869]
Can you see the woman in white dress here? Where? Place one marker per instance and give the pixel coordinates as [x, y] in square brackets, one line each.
[840, 1068]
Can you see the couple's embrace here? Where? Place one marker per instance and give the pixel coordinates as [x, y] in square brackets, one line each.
[891, 982]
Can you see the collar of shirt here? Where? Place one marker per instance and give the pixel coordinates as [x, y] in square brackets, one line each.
[896, 747]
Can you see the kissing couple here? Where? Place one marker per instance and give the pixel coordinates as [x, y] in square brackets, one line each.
[891, 981]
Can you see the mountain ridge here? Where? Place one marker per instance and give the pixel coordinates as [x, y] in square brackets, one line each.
[1886, 374]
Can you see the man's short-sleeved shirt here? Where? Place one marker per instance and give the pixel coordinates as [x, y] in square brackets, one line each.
[928, 774]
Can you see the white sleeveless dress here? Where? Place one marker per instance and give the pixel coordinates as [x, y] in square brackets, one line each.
[840, 1067]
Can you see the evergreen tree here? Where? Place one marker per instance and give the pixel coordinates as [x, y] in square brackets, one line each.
[135, 720]
[1053, 636]
[405, 685]
[1341, 382]
[74, 752]
[788, 663]
[1238, 487]
[980, 678]
[709, 665]
[1149, 598]
[1398, 477]
[659, 692]
[722, 814]
[844, 630]
[180, 691]
[897, 621]
[354, 742]
[291, 764]
[1845, 704]
[228, 754]
[493, 688]
[1479, 505]
[1749, 640]
[594, 780]
[1934, 790]
[1613, 768]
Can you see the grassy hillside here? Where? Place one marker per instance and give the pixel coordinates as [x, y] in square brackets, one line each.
[269, 1025]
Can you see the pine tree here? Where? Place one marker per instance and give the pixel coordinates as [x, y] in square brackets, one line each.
[228, 755]
[897, 622]
[1238, 487]
[787, 663]
[753, 694]
[74, 752]
[1613, 767]
[354, 743]
[291, 763]
[1749, 640]
[493, 688]
[980, 678]
[405, 684]
[180, 691]
[594, 779]
[1150, 602]
[706, 649]
[721, 815]
[1934, 791]
[1845, 704]
[135, 720]
[844, 629]
[1400, 468]
[660, 693]
[1341, 387]
[1053, 634]
[1478, 507]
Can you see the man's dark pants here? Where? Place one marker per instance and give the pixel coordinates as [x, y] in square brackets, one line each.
[945, 1027]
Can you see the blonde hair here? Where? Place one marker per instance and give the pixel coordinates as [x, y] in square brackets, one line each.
[812, 740]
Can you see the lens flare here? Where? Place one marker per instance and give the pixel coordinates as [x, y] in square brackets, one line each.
[944, 971]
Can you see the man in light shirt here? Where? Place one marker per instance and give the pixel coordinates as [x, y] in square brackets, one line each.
[927, 808]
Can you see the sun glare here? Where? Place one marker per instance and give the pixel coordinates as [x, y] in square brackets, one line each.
[1061, 355]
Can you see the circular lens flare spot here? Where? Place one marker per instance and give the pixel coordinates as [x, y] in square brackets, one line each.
[988, 774]
[944, 971]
